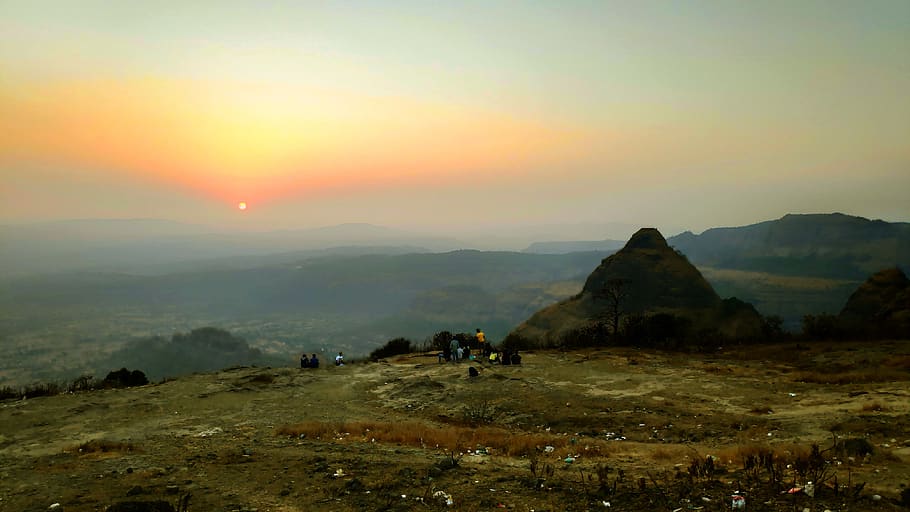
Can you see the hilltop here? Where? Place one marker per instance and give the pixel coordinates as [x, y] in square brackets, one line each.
[566, 431]
[643, 281]
[880, 307]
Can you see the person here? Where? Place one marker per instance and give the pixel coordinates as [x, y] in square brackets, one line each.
[314, 362]
[481, 341]
[339, 359]
[304, 361]
[516, 358]
[505, 357]
[453, 349]
[494, 356]
[460, 354]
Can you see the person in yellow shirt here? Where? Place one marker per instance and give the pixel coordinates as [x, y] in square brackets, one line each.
[481, 342]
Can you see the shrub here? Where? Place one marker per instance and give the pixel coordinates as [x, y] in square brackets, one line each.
[104, 446]
[124, 378]
[392, 347]
[441, 341]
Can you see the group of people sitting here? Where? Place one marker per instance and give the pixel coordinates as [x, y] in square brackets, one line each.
[313, 362]
[455, 352]
[505, 357]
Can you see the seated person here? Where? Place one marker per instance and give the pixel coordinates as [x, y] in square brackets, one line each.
[314, 362]
[304, 361]
[339, 359]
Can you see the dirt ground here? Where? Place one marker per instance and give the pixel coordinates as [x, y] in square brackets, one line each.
[610, 429]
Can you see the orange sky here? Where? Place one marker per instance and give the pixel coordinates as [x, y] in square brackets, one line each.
[264, 142]
[692, 114]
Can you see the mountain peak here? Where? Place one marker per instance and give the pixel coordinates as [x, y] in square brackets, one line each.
[647, 238]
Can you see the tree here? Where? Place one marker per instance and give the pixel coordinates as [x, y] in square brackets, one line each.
[615, 292]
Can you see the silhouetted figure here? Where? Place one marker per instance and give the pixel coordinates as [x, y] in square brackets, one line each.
[304, 361]
[314, 361]
[453, 350]
[339, 359]
[516, 358]
[472, 372]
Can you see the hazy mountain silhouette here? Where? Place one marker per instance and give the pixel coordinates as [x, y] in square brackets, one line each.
[823, 245]
[147, 246]
[577, 246]
[645, 277]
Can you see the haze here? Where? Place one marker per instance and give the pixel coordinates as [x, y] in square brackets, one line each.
[453, 116]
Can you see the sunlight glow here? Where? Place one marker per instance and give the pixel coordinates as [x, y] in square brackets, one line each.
[266, 141]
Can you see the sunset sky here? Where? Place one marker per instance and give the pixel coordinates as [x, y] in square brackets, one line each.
[442, 115]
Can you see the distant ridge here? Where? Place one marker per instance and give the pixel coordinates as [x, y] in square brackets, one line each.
[654, 279]
[818, 245]
[574, 246]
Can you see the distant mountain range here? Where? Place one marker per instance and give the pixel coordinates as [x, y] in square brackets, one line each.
[72, 291]
[150, 246]
[567, 247]
[818, 245]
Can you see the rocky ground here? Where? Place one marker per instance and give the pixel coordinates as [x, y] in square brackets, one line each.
[611, 429]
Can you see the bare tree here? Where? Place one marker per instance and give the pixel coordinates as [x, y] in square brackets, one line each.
[615, 292]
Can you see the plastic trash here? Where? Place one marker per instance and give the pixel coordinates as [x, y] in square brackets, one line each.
[548, 449]
[569, 460]
[809, 489]
[739, 502]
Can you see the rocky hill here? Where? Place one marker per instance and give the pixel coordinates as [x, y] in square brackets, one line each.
[820, 245]
[880, 307]
[645, 280]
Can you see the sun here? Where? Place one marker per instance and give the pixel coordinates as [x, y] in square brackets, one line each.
[241, 205]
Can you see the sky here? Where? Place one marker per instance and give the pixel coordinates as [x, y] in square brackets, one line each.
[448, 115]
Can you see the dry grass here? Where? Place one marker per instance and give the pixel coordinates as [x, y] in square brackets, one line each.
[873, 407]
[859, 376]
[262, 378]
[898, 362]
[103, 446]
[667, 453]
[495, 440]
[737, 455]
[718, 370]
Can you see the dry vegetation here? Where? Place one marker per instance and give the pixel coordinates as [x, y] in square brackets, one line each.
[639, 430]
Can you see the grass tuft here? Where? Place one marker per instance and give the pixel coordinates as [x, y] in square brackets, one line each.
[494, 440]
